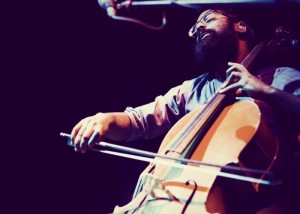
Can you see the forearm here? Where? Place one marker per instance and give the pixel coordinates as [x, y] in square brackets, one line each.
[119, 128]
[283, 100]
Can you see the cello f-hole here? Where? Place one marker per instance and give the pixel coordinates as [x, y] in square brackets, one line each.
[191, 196]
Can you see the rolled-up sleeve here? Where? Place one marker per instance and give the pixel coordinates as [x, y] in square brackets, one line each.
[156, 118]
[287, 79]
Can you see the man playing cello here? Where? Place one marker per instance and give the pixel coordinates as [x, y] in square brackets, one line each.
[222, 41]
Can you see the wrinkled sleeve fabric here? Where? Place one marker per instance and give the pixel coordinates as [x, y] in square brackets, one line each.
[287, 79]
[156, 118]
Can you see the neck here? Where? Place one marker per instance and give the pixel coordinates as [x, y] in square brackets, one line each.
[221, 66]
[243, 50]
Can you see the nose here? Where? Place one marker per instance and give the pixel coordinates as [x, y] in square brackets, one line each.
[199, 25]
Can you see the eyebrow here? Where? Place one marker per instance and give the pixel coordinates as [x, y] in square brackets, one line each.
[210, 12]
[206, 14]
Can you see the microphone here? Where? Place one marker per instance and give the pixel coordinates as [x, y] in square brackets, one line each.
[109, 6]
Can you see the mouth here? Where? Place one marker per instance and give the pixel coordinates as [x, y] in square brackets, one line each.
[202, 35]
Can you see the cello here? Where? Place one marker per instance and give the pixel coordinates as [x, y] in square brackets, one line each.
[218, 134]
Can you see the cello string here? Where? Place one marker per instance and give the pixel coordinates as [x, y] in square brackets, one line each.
[154, 155]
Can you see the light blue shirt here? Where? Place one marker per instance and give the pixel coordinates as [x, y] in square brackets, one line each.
[156, 118]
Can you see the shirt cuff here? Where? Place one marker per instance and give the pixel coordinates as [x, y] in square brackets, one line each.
[135, 125]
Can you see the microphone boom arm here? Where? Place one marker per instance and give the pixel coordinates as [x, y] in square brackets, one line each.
[112, 6]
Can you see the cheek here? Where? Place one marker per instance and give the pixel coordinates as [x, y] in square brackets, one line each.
[219, 26]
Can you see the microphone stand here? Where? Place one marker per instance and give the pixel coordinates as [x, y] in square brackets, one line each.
[128, 3]
[112, 10]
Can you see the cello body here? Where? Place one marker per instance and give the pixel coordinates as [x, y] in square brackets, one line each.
[223, 132]
[164, 189]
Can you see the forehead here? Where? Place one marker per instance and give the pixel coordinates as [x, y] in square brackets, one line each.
[209, 12]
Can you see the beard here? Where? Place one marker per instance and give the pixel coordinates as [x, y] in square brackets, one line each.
[216, 49]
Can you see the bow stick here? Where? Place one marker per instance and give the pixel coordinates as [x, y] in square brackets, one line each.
[149, 157]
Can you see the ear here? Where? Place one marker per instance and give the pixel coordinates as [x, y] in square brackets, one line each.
[240, 27]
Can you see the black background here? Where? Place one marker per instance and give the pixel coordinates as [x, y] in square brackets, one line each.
[64, 60]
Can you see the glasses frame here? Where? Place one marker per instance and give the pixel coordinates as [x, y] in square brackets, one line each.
[193, 30]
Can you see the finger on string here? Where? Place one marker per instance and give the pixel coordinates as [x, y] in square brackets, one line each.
[231, 79]
[241, 68]
[236, 76]
[231, 63]
[229, 88]
[227, 81]
[229, 70]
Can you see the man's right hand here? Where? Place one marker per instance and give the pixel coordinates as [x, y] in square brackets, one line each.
[90, 130]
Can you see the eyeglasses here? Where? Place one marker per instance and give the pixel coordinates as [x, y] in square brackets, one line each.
[206, 18]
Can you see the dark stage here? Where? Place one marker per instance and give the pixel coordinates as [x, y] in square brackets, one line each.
[64, 60]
